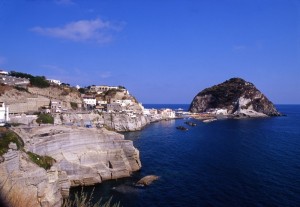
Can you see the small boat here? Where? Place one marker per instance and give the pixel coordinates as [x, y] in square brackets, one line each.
[208, 120]
[182, 128]
[190, 123]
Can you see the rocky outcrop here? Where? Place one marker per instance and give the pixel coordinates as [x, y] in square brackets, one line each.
[147, 180]
[83, 157]
[233, 97]
[124, 122]
[88, 156]
[18, 171]
[116, 121]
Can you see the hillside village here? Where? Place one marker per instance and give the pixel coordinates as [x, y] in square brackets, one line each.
[23, 97]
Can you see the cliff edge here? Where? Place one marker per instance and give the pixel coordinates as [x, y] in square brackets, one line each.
[233, 97]
[82, 157]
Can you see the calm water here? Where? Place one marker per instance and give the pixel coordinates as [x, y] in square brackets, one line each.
[224, 163]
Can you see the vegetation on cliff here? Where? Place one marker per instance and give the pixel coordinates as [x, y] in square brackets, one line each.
[43, 161]
[38, 81]
[45, 119]
[84, 200]
[227, 96]
[7, 137]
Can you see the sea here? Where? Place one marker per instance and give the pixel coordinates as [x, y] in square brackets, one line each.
[250, 162]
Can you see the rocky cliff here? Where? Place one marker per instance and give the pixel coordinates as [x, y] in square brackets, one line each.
[123, 122]
[233, 97]
[115, 121]
[83, 157]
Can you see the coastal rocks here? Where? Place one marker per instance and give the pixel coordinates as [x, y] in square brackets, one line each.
[147, 180]
[83, 157]
[123, 122]
[87, 156]
[115, 121]
[234, 97]
[18, 172]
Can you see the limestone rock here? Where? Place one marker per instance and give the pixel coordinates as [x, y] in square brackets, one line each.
[87, 156]
[147, 180]
[18, 171]
[233, 97]
[123, 122]
[12, 146]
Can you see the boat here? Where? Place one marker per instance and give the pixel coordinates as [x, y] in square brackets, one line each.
[182, 128]
[208, 120]
[190, 123]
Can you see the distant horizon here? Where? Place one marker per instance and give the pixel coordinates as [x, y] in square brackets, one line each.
[161, 51]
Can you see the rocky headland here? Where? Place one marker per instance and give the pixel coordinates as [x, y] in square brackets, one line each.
[81, 156]
[234, 98]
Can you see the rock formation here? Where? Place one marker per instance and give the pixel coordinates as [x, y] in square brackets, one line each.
[123, 122]
[18, 171]
[147, 180]
[116, 121]
[233, 97]
[83, 157]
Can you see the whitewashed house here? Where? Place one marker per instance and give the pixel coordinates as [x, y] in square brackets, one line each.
[167, 113]
[4, 113]
[89, 100]
[56, 106]
[57, 82]
[2, 72]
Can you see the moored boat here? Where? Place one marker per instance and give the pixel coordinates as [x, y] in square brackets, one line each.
[182, 128]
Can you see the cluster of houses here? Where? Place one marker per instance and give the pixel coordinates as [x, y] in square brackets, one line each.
[159, 114]
[93, 101]
[110, 105]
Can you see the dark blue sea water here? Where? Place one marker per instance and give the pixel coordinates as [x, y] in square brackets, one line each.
[254, 162]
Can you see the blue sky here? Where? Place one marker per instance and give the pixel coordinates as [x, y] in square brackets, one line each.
[163, 51]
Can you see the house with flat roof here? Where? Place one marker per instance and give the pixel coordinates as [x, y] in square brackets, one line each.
[4, 113]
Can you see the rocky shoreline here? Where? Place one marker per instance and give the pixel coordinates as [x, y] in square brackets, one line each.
[82, 157]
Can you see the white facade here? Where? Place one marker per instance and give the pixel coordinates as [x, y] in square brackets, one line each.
[4, 112]
[2, 72]
[101, 89]
[90, 101]
[54, 81]
[167, 113]
[102, 102]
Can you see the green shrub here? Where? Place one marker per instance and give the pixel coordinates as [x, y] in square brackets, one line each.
[19, 88]
[83, 200]
[39, 81]
[74, 105]
[8, 137]
[43, 161]
[45, 119]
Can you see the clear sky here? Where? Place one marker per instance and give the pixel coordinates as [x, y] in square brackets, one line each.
[163, 51]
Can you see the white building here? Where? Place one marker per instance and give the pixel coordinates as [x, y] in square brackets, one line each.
[89, 100]
[167, 113]
[102, 89]
[2, 72]
[102, 102]
[57, 82]
[123, 103]
[4, 112]
[56, 106]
